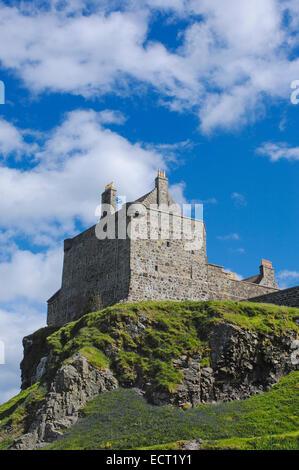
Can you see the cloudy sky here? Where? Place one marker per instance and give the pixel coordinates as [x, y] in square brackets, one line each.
[112, 90]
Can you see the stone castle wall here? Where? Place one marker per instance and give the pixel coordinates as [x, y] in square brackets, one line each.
[221, 285]
[185, 280]
[165, 270]
[289, 297]
[96, 273]
[99, 273]
[168, 268]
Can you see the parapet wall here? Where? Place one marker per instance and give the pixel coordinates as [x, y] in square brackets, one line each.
[222, 286]
[288, 297]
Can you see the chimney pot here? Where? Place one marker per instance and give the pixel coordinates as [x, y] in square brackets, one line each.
[266, 263]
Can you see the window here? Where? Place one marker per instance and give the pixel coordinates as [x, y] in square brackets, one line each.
[156, 268]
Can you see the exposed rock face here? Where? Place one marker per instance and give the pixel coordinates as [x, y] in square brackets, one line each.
[35, 352]
[194, 444]
[74, 384]
[245, 364]
[242, 364]
[232, 362]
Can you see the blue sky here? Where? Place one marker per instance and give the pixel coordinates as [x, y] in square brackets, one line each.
[106, 90]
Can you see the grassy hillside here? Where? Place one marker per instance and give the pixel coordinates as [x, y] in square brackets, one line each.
[141, 341]
[17, 413]
[144, 338]
[123, 420]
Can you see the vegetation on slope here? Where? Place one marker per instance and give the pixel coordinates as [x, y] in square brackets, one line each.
[17, 413]
[141, 340]
[124, 420]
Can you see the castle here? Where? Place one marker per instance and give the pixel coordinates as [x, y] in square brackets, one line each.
[99, 270]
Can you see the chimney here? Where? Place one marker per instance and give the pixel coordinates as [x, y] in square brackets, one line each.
[108, 198]
[267, 274]
[161, 183]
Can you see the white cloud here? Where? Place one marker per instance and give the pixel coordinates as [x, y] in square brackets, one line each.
[74, 164]
[32, 276]
[237, 250]
[287, 278]
[286, 274]
[293, 8]
[283, 124]
[27, 281]
[210, 200]
[226, 62]
[14, 325]
[278, 151]
[174, 147]
[239, 199]
[12, 140]
[230, 236]
[109, 116]
[7, 244]
[177, 192]
[228, 110]
[239, 277]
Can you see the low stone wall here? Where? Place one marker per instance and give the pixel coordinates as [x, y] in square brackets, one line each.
[205, 282]
[288, 297]
[221, 286]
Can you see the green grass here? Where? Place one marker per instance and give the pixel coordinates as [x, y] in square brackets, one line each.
[171, 330]
[17, 414]
[139, 342]
[123, 420]
[95, 357]
[7, 408]
[285, 441]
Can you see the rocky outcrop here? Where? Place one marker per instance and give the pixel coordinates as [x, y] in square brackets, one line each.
[245, 363]
[36, 351]
[175, 353]
[194, 444]
[242, 364]
[74, 384]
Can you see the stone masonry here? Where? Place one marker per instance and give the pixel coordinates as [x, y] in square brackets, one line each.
[103, 270]
[289, 297]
